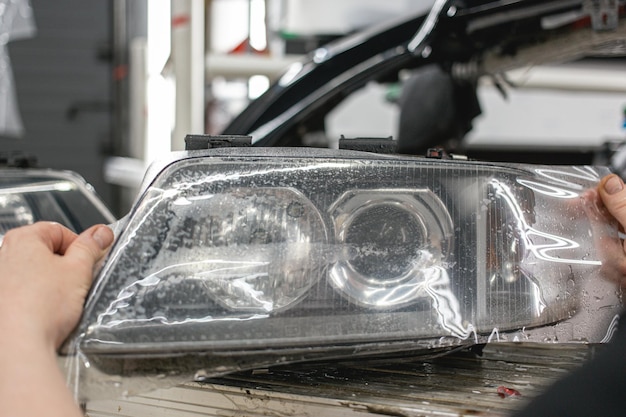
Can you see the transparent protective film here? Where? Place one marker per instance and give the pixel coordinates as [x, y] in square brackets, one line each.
[233, 259]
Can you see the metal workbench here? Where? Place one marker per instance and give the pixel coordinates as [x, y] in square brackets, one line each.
[492, 382]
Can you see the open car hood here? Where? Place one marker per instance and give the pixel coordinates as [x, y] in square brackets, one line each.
[465, 39]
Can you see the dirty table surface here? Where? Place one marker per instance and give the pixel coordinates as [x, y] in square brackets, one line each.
[493, 382]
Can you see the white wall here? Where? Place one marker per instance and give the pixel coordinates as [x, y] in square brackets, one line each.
[529, 117]
[306, 17]
[554, 118]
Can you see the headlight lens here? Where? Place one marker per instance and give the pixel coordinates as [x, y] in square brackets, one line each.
[239, 252]
[396, 239]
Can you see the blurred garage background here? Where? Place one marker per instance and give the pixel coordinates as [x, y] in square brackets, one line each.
[104, 88]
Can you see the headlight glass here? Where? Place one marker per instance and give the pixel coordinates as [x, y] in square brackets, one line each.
[292, 254]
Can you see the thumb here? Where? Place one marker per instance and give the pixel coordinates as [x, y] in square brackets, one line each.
[90, 246]
[613, 194]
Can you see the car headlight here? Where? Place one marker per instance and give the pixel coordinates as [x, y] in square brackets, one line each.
[289, 254]
[30, 195]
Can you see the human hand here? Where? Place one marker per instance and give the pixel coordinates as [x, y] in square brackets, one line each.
[608, 201]
[613, 194]
[46, 271]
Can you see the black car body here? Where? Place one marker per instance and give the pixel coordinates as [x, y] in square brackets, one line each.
[439, 58]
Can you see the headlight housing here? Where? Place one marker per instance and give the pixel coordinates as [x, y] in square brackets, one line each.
[30, 195]
[239, 257]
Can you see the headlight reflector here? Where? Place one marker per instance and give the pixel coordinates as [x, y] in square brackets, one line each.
[247, 249]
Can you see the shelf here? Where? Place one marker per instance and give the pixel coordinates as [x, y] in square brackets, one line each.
[244, 66]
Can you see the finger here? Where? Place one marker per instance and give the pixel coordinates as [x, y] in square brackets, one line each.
[90, 246]
[53, 235]
[613, 194]
[603, 226]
